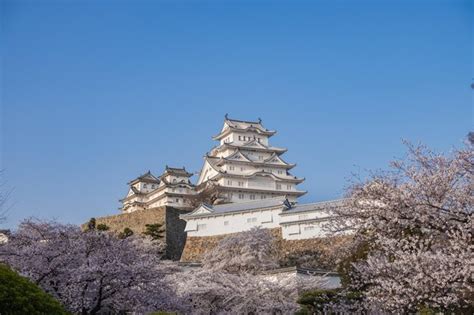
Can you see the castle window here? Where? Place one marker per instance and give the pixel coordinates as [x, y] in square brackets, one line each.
[241, 184]
[278, 186]
[231, 168]
[251, 220]
[229, 182]
[177, 200]
[144, 186]
[260, 157]
[242, 169]
[240, 138]
[201, 227]
[252, 197]
[153, 186]
[309, 228]
[288, 187]
[280, 172]
[241, 196]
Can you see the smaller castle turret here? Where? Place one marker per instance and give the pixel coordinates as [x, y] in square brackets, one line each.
[173, 188]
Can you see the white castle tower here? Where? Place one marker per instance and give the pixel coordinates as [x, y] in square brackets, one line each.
[173, 188]
[244, 166]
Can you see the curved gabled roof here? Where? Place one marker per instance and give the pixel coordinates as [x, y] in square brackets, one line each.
[205, 209]
[242, 126]
[176, 171]
[148, 177]
[317, 206]
[237, 155]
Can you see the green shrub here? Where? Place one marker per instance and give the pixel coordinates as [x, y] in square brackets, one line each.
[155, 231]
[19, 295]
[91, 224]
[102, 227]
[126, 233]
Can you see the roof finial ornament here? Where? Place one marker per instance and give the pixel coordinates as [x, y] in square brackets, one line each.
[166, 166]
[226, 116]
[259, 120]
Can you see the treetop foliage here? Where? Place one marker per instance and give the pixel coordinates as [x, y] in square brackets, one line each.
[18, 295]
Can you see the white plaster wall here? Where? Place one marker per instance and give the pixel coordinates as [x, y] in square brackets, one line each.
[236, 222]
[299, 231]
[308, 215]
[233, 137]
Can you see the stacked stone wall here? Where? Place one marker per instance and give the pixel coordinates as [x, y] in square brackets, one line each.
[135, 221]
[173, 227]
[315, 252]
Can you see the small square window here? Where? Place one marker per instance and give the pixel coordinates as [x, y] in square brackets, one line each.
[251, 220]
[226, 222]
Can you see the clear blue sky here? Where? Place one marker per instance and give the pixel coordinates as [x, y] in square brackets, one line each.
[96, 92]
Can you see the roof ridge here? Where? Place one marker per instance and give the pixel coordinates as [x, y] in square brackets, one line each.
[259, 121]
[322, 202]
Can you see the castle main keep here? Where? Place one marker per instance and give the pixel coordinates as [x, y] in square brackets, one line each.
[251, 186]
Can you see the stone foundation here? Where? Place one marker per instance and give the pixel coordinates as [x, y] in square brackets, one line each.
[315, 252]
[173, 227]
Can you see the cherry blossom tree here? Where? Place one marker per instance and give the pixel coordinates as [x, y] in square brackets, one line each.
[232, 279]
[251, 251]
[415, 222]
[89, 272]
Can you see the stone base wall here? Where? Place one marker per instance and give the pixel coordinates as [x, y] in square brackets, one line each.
[135, 221]
[173, 227]
[315, 252]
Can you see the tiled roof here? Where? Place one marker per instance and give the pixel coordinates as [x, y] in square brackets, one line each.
[324, 205]
[248, 205]
[147, 177]
[177, 171]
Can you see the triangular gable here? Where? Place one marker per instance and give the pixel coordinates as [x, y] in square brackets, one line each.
[263, 174]
[208, 170]
[202, 209]
[131, 192]
[255, 144]
[275, 159]
[149, 177]
[238, 156]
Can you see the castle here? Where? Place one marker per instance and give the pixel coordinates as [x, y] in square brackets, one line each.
[242, 167]
[251, 187]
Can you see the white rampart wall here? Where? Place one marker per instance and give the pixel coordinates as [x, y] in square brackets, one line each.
[233, 222]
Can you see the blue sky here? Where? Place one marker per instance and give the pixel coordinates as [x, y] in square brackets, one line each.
[95, 93]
